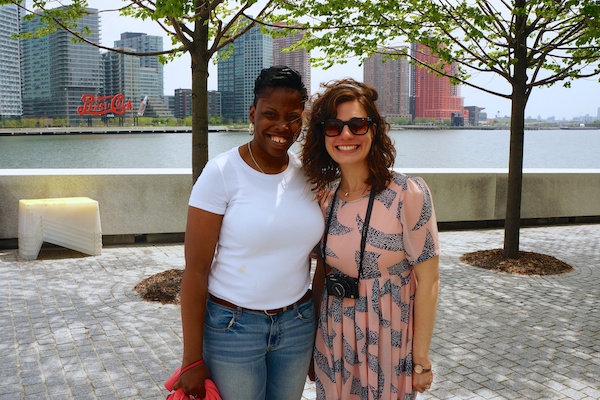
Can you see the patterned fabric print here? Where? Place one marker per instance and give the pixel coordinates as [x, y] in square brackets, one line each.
[363, 348]
[427, 209]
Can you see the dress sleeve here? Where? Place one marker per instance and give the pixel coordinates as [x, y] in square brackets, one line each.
[419, 225]
[209, 192]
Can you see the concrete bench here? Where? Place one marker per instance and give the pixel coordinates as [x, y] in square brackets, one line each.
[71, 222]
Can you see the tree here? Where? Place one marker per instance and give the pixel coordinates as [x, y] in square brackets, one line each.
[528, 43]
[201, 28]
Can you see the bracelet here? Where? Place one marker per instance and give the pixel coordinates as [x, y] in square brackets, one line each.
[192, 365]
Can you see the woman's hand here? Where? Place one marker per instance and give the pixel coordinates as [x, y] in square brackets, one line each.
[192, 381]
[422, 382]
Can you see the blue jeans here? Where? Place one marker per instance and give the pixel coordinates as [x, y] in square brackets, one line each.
[253, 356]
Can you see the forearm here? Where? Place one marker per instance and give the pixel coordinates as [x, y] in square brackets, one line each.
[425, 308]
[317, 285]
[193, 305]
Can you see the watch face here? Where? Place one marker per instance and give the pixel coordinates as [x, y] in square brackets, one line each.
[418, 369]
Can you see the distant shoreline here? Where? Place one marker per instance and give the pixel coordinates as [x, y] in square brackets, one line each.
[110, 130]
[486, 127]
[188, 129]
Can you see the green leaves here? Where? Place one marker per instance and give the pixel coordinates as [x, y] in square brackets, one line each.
[172, 9]
[561, 37]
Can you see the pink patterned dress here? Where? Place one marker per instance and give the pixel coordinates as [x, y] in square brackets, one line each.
[363, 347]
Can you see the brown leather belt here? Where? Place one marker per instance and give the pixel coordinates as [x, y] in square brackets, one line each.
[225, 303]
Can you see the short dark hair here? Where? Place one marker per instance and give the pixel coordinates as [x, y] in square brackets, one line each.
[278, 76]
[318, 165]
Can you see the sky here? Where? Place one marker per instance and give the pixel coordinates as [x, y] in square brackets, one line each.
[583, 98]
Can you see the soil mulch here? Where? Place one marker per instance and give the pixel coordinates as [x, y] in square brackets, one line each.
[164, 286]
[528, 263]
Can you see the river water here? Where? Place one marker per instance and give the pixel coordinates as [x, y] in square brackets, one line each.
[573, 149]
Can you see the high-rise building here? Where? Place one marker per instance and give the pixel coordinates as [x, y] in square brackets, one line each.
[251, 52]
[183, 103]
[58, 72]
[150, 70]
[391, 79]
[10, 62]
[298, 59]
[122, 74]
[433, 96]
[214, 103]
[138, 78]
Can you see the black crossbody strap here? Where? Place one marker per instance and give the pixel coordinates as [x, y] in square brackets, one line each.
[363, 240]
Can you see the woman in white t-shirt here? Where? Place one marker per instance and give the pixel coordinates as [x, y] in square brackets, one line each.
[252, 223]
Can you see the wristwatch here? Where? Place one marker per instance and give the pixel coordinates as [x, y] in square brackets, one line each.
[419, 369]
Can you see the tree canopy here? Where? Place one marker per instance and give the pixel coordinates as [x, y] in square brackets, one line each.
[528, 43]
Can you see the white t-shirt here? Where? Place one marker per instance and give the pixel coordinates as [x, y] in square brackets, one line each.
[270, 225]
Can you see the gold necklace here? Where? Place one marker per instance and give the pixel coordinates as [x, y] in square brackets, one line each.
[253, 159]
[347, 193]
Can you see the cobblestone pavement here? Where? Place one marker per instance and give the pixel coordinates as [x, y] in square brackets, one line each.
[72, 327]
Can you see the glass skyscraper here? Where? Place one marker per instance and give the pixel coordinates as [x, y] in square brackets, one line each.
[252, 52]
[58, 72]
[150, 79]
[10, 62]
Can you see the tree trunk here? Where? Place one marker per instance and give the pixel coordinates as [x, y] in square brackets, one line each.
[517, 135]
[515, 178]
[200, 58]
[199, 114]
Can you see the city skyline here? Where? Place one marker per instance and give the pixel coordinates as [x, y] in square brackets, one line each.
[583, 98]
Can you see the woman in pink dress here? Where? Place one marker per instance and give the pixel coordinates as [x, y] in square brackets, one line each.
[377, 279]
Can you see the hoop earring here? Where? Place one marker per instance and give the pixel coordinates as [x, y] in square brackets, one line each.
[251, 129]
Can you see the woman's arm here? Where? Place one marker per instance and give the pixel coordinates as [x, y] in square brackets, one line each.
[318, 284]
[428, 283]
[201, 236]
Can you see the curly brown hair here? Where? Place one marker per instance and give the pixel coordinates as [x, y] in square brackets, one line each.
[317, 164]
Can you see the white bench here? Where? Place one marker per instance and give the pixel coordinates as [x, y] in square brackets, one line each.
[71, 222]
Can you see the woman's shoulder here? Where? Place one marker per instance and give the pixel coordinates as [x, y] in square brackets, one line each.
[220, 165]
[224, 160]
[407, 182]
[234, 152]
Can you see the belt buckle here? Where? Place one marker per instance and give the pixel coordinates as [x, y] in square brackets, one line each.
[277, 312]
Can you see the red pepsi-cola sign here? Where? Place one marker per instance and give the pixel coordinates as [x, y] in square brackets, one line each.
[102, 105]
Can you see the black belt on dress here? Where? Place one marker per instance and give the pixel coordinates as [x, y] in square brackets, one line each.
[226, 303]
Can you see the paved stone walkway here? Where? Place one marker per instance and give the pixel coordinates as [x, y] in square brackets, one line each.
[72, 327]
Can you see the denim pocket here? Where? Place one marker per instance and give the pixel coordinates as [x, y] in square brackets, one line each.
[219, 318]
[306, 311]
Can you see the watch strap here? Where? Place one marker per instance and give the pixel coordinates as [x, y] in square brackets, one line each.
[422, 369]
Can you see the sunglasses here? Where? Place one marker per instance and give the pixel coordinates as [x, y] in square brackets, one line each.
[358, 126]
